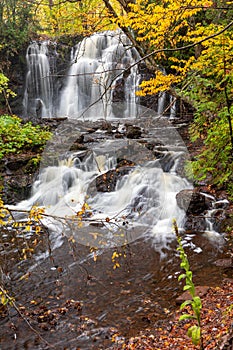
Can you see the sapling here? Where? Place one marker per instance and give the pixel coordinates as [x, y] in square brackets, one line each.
[194, 331]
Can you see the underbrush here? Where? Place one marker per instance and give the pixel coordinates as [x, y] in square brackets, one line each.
[17, 137]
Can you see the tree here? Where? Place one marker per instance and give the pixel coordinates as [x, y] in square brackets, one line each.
[188, 45]
[16, 24]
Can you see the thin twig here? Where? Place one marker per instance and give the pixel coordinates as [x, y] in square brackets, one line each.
[24, 318]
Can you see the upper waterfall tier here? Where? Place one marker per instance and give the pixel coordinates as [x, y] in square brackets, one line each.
[102, 71]
[98, 79]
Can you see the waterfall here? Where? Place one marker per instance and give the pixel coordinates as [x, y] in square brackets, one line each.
[102, 70]
[100, 86]
[38, 94]
[98, 64]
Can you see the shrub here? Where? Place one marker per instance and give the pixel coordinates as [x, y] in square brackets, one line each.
[17, 137]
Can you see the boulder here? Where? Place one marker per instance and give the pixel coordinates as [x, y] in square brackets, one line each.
[107, 181]
[193, 201]
[195, 224]
[133, 132]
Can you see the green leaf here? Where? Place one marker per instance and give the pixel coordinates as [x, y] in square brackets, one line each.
[187, 287]
[184, 264]
[189, 274]
[185, 303]
[194, 332]
[197, 301]
[187, 317]
[182, 276]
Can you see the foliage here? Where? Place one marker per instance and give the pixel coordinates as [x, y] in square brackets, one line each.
[4, 87]
[175, 34]
[5, 298]
[17, 137]
[214, 162]
[72, 18]
[162, 28]
[116, 255]
[211, 94]
[32, 223]
[194, 331]
[4, 213]
[16, 25]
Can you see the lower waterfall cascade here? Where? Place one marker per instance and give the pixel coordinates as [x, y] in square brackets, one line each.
[145, 197]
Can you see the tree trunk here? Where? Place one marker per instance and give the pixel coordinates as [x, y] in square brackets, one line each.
[140, 47]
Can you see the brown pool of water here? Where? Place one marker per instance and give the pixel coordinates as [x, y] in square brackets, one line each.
[74, 297]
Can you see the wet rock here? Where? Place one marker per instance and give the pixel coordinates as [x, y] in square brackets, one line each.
[195, 224]
[226, 224]
[78, 147]
[17, 174]
[224, 204]
[121, 162]
[159, 150]
[218, 218]
[88, 139]
[167, 162]
[201, 291]
[119, 90]
[119, 136]
[106, 126]
[193, 201]
[18, 162]
[225, 263]
[107, 182]
[17, 188]
[133, 132]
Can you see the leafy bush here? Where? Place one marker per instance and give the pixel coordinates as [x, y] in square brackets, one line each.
[212, 130]
[16, 137]
[215, 160]
[209, 89]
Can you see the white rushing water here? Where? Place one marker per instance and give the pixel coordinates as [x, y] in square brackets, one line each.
[142, 202]
[98, 63]
[38, 94]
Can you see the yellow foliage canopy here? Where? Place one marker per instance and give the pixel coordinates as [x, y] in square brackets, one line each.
[166, 28]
